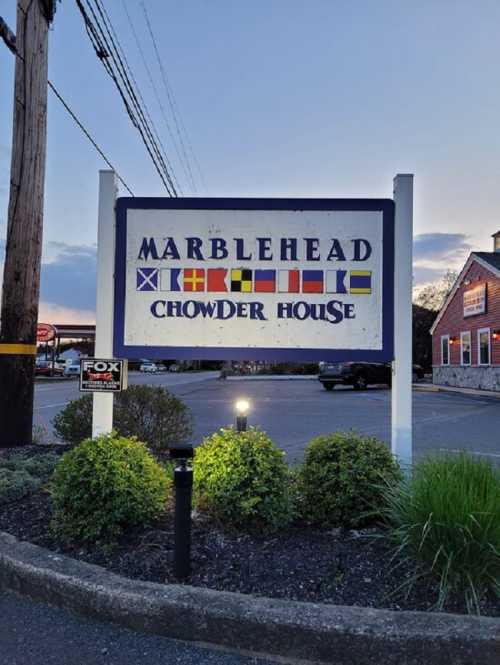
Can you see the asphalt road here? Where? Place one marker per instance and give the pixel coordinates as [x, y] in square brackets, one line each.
[36, 634]
[294, 411]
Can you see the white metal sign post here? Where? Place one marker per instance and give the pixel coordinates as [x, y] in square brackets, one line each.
[401, 398]
[102, 417]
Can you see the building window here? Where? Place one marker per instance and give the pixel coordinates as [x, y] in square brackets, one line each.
[445, 350]
[483, 346]
[465, 348]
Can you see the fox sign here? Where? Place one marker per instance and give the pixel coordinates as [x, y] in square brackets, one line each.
[254, 279]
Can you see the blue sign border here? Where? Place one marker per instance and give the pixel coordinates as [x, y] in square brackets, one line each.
[121, 350]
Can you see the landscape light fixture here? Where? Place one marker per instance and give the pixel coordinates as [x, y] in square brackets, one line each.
[242, 407]
[183, 484]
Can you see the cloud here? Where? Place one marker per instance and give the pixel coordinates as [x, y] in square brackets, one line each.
[436, 253]
[69, 279]
[440, 246]
[49, 313]
[424, 275]
[68, 282]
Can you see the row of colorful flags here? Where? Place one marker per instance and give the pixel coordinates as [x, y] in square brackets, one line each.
[244, 280]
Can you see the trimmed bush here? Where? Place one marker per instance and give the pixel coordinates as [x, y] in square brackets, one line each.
[241, 479]
[152, 414]
[21, 475]
[341, 477]
[446, 518]
[105, 485]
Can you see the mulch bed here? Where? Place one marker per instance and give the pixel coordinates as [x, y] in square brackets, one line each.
[301, 563]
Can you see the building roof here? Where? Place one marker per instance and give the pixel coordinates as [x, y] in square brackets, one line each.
[489, 260]
[493, 258]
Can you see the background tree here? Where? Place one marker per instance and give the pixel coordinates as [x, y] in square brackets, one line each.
[426, 305]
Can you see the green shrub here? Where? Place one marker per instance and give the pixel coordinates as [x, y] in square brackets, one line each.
[341, 477]
[446, 517]
[21, 475]
[151, 414]
[242, 480]
[105, 485]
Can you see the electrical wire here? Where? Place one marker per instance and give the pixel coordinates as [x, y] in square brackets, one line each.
[107, 20]
[10, 40]
[107, 53]
[155, 89]
[170, 94]
[104, 52]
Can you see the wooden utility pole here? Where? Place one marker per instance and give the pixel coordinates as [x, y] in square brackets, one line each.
[21, 281]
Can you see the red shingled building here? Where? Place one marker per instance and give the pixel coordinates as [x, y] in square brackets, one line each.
[466, 332]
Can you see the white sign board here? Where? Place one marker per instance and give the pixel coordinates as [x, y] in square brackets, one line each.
[254, 279]
[475, 300]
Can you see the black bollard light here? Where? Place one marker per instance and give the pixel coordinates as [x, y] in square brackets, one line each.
[242, 408]
[183, 483]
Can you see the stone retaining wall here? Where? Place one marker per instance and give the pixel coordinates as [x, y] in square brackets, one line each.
[481, 378]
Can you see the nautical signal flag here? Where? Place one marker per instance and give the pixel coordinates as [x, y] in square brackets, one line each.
[170, 279]
[241, 280]
[194, 279]
[288, 281]
[312, 281]
[265, 281]
[335, 281]
[360, 282]
[147, 279]
[216, 279]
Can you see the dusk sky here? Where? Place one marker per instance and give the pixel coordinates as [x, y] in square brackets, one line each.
[279, 98]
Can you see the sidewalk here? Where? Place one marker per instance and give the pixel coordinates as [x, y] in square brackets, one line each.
[435, 388]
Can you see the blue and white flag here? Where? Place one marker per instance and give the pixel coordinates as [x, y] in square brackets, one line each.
[147, 279]
[171, 279]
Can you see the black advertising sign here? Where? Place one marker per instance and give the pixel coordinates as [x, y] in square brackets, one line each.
[98, 375]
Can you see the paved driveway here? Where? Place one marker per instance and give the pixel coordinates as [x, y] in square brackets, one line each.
[294, 411]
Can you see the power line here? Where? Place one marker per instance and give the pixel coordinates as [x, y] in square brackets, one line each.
[10, 41]
[105, 53]
[87, 134]
[155, 90]
[169, 91]
[107, 20]
[108, 55]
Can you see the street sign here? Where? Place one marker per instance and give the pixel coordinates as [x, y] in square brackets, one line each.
[268, 279]
[45, 333]
[103, 376]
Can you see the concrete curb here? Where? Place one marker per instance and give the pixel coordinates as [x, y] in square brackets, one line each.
[313, 633]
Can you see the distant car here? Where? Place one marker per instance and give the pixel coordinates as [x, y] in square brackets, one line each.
[161, 368]
[359, 375]
[45, 368]
[73, 369]
[174, 368]
[149, 368]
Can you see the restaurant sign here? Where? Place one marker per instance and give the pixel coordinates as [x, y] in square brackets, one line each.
[475, 300]
[270, 279]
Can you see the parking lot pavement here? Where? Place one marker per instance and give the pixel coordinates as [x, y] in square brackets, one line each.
[292, 412]
[36, 634]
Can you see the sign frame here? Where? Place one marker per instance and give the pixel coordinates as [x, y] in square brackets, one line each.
[385, 206]
[123, 364]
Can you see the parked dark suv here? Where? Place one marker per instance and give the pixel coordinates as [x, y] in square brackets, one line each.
[359, 375]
